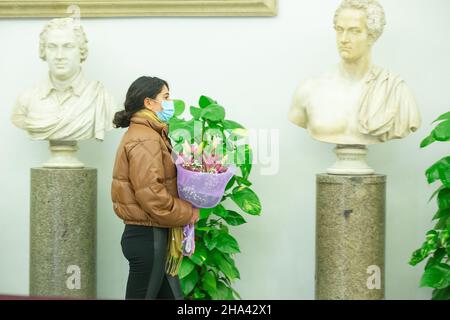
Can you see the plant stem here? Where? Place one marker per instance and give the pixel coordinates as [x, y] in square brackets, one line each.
[201, 143]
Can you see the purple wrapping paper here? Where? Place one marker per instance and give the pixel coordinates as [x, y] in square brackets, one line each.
[188, 240]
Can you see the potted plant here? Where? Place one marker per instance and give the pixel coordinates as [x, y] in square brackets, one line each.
[217, 142]
[437, 246]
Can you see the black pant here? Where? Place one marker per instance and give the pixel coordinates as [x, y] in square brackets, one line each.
[146, 250]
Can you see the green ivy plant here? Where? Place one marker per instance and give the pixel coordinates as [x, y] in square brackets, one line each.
[209, 273]
[437, 246]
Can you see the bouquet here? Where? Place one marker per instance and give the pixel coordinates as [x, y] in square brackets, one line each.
[202, 175]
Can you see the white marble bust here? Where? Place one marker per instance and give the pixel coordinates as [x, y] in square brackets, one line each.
[65, 105]
[356, 103]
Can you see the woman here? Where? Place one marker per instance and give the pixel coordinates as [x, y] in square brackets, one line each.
[144, 193]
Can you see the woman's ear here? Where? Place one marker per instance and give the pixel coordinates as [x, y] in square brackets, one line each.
[148, 103]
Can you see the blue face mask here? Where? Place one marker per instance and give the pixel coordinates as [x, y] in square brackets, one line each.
[167, 112]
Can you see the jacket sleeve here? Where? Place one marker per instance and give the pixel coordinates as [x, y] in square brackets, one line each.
[147, 178]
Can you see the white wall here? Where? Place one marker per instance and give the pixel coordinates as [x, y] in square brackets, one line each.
[251, 65]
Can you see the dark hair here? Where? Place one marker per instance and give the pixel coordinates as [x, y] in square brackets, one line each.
[141, 88]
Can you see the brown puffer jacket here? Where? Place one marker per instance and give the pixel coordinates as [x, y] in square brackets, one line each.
[144, 186]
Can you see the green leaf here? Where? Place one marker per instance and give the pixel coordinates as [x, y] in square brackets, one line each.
[186, 268]
[226, 281]
[175, 123]
[436, 276]
[223, 228]
[431, 236]
[234, 219]
[220, 211]
[195, 112]
[180, 130]
[243, 181]
[444, 198]
[440, 170]
[247, 200]
[188, 283]
[222, 291]
[237, 135]
[217, 125]
[201, 223]
[432, 173]
[204, 228]
[227, 268]
[230, 125]
[436, 192]
[427, 141]
[230, 183]
[226, 243]
[209, 283]
[211, 132]
[445, 116]
[205, 101]
[213, 112]
[427, 248]
[180, 135]
[442, 223]
[229, 295]
[441, 294]
[418, 256]
[227, 257]
[200, 254]
[227, 291]
[179, 107]
[442, 131]
[197, 131]
[199, 294]
[205, 213]
[210, 239]
[444, 236]
[442, 213]
[437, 257]
[244, 159]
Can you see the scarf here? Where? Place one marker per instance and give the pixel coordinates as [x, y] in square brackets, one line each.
[175, 239]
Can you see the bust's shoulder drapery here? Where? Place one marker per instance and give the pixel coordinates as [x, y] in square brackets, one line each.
[388, 109]
[86, 112]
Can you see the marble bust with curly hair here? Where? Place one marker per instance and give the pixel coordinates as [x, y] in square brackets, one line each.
[357, 102]
[65, 106]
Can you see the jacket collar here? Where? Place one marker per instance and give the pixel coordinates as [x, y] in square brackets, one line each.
[140, 118]
[161, 128]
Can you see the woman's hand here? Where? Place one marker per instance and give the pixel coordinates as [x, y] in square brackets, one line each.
[195, 216]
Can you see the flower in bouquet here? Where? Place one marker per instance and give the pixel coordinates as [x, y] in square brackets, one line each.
[199, 158]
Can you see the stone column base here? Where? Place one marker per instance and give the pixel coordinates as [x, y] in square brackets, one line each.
[350, 237]
[63, 226]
